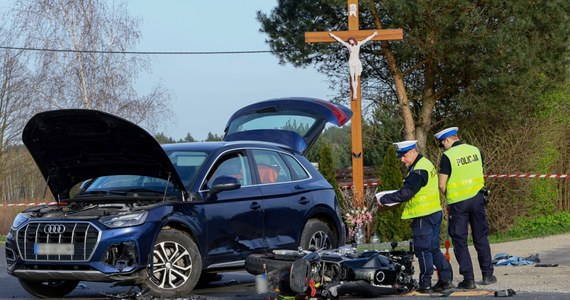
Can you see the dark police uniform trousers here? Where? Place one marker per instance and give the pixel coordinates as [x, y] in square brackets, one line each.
[461, 214]
[425, 232]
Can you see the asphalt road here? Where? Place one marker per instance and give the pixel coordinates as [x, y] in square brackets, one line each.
[233, 285]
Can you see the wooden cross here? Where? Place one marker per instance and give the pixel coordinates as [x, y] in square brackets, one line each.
[355, 103]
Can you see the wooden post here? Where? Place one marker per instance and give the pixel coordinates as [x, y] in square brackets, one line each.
[355, 103]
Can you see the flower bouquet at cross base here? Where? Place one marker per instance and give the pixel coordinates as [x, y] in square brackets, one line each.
[355, 217]
[359, 217]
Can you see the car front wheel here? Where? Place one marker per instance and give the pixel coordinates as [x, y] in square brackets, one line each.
[177, 265]
[318, 236]
[49, 289]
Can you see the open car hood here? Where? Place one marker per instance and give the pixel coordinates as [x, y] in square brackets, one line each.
[73, 145]
[295, 122]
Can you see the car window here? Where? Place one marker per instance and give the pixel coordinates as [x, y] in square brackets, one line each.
[284, 120]
[187, 164]
[270, 167]
[297, 170]
[235, 165]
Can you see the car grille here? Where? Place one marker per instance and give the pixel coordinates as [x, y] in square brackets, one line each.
[83, 235]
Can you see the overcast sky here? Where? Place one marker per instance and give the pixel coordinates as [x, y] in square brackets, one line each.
[207, 89]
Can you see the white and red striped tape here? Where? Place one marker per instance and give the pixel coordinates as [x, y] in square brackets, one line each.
[27, 204]
[344, 187]
[528, 176]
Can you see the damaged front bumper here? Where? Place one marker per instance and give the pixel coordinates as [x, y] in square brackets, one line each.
[117, 256]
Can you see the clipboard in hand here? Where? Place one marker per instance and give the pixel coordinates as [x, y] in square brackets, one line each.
[388, 206]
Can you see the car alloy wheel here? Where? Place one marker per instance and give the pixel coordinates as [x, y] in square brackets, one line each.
[317, 236]
[176, 265]
[320, 240]
[172, 265]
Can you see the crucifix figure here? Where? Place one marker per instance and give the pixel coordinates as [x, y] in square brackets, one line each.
[354, 34]
[354, 64]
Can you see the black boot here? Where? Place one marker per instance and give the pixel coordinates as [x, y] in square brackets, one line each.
[489, 280]
[442, 285]
[424, 288]
[467, 284]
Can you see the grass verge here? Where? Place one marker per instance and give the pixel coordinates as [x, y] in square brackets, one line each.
[532, 227]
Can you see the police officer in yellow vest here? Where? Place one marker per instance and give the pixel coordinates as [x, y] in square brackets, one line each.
[423, 207]
[461, 180]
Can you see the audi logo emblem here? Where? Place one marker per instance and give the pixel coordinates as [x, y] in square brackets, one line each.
[54, 228]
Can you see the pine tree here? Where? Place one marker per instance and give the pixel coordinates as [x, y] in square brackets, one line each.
[389, 224]
[161, 138]
[327, 168]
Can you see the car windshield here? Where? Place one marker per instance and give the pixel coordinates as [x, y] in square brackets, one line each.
[186, 163]
[123, 184]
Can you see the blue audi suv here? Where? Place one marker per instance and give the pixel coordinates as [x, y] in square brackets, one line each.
[131, 211]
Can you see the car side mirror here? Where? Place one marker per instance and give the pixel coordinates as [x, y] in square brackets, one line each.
[224, 183]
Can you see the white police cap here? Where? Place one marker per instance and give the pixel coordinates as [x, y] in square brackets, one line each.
[405, 146]
[446, 132]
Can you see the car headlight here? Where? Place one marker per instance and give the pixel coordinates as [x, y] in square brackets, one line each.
[124, 220]
[19, 220]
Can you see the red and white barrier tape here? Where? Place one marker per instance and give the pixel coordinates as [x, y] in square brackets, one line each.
[27, 204]
[344, 187]
[528, 176]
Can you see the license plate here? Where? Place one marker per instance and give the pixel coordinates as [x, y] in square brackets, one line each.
[54, 249]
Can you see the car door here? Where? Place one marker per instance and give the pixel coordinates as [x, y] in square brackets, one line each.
[285, 200]
[234, 218]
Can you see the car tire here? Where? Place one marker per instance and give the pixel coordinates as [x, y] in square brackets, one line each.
[49, 289]
[317, 235]
[177, 265]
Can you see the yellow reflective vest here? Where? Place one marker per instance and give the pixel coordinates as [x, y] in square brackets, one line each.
[466, 178]
[426, 201]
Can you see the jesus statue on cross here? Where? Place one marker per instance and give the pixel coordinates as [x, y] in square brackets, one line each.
[354, 64]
